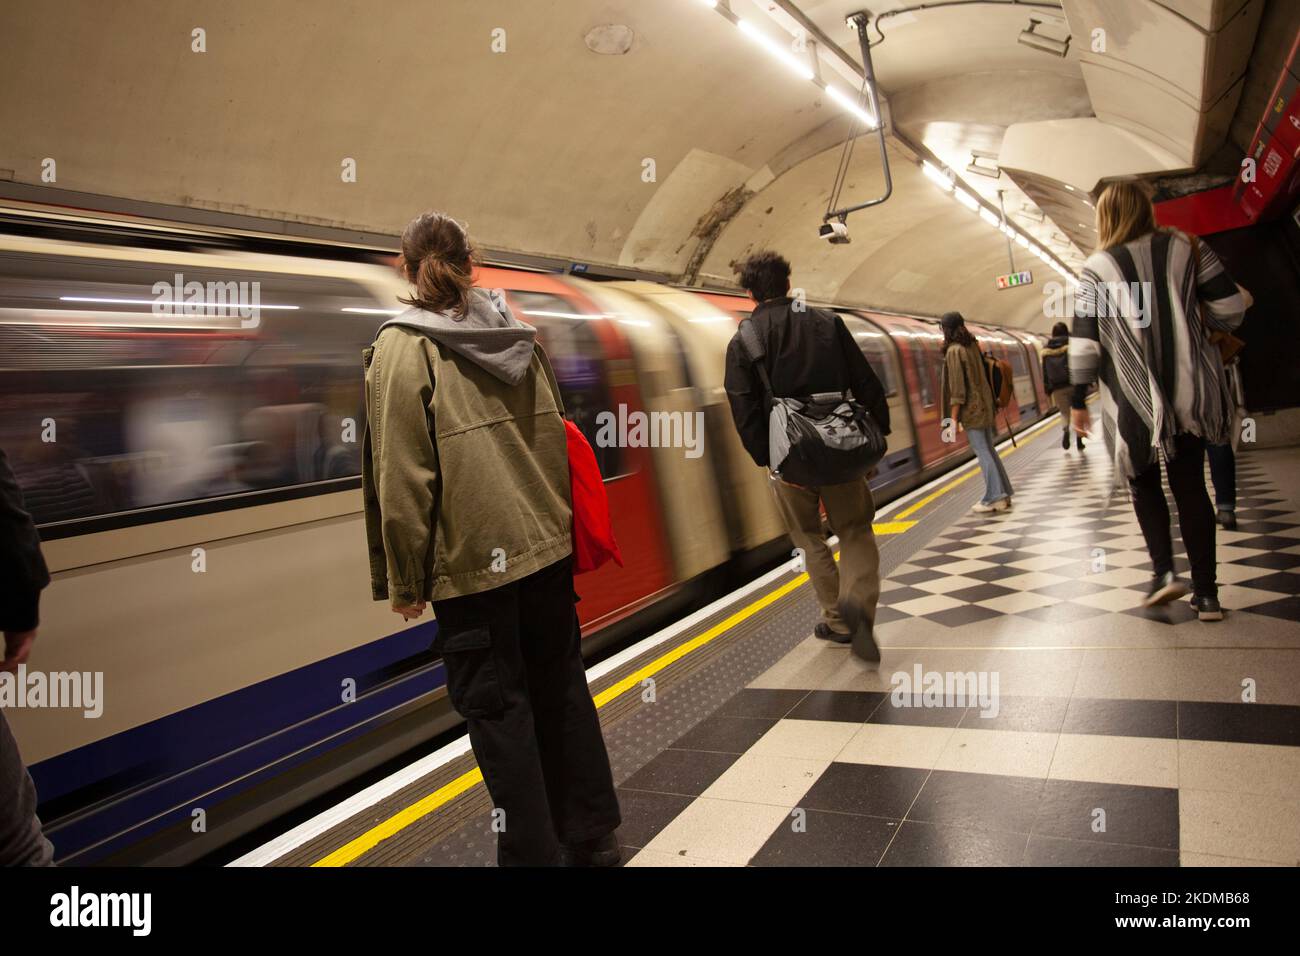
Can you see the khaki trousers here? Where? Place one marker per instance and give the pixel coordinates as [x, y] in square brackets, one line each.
[851, 510]
[1062, 399]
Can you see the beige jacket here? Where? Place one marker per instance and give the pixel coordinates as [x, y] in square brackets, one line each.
[965, 383]
[465, 470]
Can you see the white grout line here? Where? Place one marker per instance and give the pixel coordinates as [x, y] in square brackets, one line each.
[310, 829]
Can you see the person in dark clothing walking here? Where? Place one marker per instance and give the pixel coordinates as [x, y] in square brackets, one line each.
[465, 480]
[23, 572]
[1056, 379]
[809, 351]
[1223, 457]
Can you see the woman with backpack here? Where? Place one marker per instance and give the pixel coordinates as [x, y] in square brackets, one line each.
[1056, 379]
[968, 395]
[466, 487]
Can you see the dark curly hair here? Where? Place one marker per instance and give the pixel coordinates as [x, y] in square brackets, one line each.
[765, 275]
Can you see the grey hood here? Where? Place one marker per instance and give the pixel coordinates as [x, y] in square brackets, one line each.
[488, 335]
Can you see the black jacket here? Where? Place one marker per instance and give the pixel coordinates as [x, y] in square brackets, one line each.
[1056, 364]
[806, 352]
[22, 568]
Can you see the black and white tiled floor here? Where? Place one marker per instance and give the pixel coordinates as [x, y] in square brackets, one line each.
[1121, 737]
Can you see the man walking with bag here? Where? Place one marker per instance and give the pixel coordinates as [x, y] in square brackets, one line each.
[788, 351]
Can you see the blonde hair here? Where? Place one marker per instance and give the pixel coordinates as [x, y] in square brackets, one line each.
[1124, 212]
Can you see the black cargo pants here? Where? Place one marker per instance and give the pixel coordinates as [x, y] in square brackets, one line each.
[515, 673]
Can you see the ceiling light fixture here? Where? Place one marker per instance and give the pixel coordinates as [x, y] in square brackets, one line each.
[984, 163]
[944, 179]
[798, 66]
[1038, 41]
[847, 103]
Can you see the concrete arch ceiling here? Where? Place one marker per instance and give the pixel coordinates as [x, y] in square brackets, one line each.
[541, 148]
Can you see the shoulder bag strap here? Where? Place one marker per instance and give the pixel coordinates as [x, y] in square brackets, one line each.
[754, 349]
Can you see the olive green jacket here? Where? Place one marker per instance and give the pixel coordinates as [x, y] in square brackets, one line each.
[965, 383]
[465, 470]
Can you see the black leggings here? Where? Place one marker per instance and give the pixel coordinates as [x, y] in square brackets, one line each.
[1186, 472]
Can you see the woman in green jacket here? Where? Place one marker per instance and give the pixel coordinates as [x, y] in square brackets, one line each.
[465, 478]
[969, 398]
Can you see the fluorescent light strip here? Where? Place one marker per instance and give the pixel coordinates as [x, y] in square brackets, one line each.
[799, 67]
[937, 176]
[374, 311]
[561, 315]
[852, 106]
[946, 182]
[168, 303]
[842, 98]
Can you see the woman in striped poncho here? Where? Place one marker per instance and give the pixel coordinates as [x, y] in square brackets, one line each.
[1147, 301]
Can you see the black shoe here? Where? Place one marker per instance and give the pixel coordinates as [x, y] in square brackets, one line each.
[602, 851]
[1065, 442]
[1164, 588]
[1207, 607]
[1227, 518]
[861, 631]
[1079, 442]
[826, 633]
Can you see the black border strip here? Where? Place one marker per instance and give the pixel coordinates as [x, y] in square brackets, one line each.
[77, 527]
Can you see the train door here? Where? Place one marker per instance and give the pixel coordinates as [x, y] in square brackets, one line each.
[593, 366]
[901, 459]
[920, 353]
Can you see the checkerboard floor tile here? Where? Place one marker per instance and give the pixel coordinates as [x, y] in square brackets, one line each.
[1116, 737]
[1077, 555]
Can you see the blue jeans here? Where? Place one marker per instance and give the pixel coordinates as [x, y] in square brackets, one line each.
[1223, 472]
[996, 483]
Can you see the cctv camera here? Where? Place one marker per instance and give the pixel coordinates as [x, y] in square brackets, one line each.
[834, 232]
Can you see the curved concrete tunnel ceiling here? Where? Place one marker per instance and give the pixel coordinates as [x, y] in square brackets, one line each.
[541, 147]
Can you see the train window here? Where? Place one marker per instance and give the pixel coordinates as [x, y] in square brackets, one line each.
[878, 350]
[576, 354]
[1019, 367]
[929, 367]
[110, 403]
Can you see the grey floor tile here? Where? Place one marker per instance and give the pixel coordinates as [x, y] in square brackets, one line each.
[827, 839]
[929, 844]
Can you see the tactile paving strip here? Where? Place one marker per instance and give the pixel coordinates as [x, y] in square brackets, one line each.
[636, 732]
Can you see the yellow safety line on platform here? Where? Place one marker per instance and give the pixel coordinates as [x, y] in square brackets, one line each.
[401, 820]
[367, 841]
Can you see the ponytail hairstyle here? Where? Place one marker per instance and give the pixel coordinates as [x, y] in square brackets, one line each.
[438, 259]
[955, 331]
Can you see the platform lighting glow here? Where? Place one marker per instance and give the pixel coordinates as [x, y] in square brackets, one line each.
[991, 219]
[561, 315]
[640, 323]
[1022, 241]
[359, 311]
[966, 199]
[850, 105]
[709, 3]
[184, 304]
[936, 176]
[799, 67]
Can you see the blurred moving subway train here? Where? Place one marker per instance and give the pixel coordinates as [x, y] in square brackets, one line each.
[196, 481]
